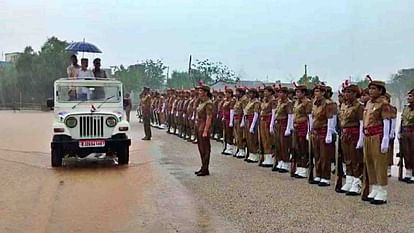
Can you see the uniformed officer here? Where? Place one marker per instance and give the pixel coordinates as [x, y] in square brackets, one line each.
[146, 113]
[377, 117]
[227, 110]
[350, 115]
[250, 124]
[241, 103]
[204, 117]
[284, 127]
[407, 137]
[392, 133]
[322, 132]
[302, 110]
[267, 117]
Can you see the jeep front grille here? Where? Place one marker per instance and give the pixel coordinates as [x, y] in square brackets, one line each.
[91, 126]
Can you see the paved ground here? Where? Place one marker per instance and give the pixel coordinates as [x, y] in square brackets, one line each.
[158, 191]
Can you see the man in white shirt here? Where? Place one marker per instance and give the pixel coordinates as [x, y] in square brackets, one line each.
[84, 72]
[73, 69]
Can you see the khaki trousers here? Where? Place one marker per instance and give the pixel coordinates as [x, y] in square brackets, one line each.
[238, 134]
[353, 158]
[375, 161]
[321, 152]
[300, 147]
[228, 133]
[265, 137]
[251, 138]
[407, 149]
[204, 147]
[283, 143]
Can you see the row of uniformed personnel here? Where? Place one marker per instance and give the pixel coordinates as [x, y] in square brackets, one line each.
[280, 128]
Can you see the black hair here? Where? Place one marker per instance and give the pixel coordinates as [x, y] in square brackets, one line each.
[256, 94]
[209, 95]
[96, 60]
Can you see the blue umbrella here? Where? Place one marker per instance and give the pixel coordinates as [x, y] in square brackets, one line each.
[84, 47]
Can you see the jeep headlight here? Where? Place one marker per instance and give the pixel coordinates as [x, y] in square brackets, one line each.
[71, 122]
[111, 121]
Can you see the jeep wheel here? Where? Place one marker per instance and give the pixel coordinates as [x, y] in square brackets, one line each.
[123, 155]
[56, 157]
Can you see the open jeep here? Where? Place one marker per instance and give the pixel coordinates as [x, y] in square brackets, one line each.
[89, 118]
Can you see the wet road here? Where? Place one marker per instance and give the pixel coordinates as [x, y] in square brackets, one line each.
[158, 191]
[91, 195]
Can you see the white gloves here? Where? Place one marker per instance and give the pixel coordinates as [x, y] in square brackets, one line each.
[385, 139]
[392, 129]
[272, 122]
[310, 125]
[255, 117]
[360, 142]
[329, 132]
[231, 118]
[289, 126]
[242, 123]
[192, 117]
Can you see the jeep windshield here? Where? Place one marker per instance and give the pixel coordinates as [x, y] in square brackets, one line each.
[78, 93]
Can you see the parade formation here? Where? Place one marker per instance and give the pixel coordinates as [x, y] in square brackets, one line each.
[300, 131]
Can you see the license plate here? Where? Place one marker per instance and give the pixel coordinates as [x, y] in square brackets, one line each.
[91, 143]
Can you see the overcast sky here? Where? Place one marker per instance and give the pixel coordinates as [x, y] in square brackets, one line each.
[257, 39]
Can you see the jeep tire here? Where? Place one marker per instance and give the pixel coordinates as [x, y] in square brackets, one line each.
[123, 155]
[56, 157]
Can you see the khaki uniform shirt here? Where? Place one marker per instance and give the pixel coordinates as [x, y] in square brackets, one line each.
[204, 110]
[240, 105]
[350, 114]
[267, 105]
[407, 116]
[322, 110]
[252, 107]
[146, 104]
[376, 111]
[283, 109]
[228, 104]
[301, 110]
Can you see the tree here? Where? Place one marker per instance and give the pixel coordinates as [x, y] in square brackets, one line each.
[149, 73]
[401, 83]
[212, 72]
[309, 81]
[180, 79]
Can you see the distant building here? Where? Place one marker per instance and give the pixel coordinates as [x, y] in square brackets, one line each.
[249, 84]
[12, 57]
[4, 64]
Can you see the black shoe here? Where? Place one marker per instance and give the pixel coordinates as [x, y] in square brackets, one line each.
[341, 191]
[323, 184]
[282, 170]
[366, 199]
[378, 202]
[352, 194]
[202, 173]
[275, 169]
[314, 182]
[298, 176]
[196, 172]
[146, 139]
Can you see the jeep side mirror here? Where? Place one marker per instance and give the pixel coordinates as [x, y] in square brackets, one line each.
[50, 103]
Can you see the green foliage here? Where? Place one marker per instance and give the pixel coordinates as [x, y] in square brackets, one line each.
[33, 73]
[309, 81]
[179, 79]
[401, 83]
[149, 73]
[362, 83]
[212, 72]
